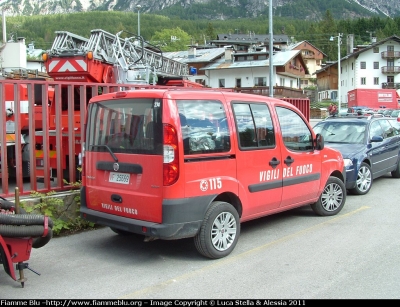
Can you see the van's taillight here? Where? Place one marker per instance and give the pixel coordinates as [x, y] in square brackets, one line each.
[171, 157]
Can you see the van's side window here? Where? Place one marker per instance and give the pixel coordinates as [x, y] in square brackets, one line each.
[204, 126]
[295, 133]
[254, 125]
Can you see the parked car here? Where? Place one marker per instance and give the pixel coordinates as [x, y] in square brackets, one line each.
[381, 111]
[370, 147]
[388, 112]
[355, 109]
[343, 112]
[395, 114]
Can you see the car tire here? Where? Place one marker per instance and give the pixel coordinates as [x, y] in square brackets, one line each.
[332, 198]
[396, 172]
[219, 231]
[363, 181]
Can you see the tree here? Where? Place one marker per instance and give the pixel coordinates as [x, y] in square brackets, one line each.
[171, 39]
[328, 24]
[210, 32]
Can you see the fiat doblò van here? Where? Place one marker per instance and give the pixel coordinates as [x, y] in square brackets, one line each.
[178, 163]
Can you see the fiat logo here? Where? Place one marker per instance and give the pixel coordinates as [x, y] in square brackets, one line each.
[116, 167]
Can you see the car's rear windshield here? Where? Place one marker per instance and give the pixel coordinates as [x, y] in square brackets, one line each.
[125, 126]
[342, 132]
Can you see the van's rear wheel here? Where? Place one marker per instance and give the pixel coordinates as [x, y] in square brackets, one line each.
[219, 232]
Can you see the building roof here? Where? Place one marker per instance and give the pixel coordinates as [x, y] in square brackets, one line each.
[278, 59]
[201, 55]
[32, 52]
[250, 38]
[302, 42]
[357, 53]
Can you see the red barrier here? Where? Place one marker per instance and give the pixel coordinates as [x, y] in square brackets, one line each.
[303, 104]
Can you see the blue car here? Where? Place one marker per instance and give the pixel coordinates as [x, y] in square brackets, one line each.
[370, 146]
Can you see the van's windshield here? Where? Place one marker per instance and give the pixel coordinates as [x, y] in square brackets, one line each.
[125, 126]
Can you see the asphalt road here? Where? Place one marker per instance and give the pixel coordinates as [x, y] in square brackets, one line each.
[295, 254]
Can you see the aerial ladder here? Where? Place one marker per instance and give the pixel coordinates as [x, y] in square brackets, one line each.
[115, 59]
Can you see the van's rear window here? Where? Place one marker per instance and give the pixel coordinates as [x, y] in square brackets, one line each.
[125, 126]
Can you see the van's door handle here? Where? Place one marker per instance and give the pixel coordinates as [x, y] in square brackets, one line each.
[288, 160]
[274, 162]
[116, 198]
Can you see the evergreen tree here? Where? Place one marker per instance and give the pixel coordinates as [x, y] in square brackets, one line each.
[210, 32]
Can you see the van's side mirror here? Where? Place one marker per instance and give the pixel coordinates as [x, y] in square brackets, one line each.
[319, 142]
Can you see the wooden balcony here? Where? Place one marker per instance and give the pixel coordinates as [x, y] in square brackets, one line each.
[390, 69]
[390, 54]
[308, 56]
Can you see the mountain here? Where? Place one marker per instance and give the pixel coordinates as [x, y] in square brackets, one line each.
[211, 9]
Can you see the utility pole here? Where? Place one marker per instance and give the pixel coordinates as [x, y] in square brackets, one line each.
[339, 39]
[271, 51]
[138, 18]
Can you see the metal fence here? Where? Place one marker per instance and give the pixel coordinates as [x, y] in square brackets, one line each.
[31, 128]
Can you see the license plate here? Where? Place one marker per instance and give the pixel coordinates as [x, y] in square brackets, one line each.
[119, 178]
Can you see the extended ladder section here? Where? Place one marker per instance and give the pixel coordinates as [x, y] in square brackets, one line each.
[68, 44]
[124, 53]
[131, 53]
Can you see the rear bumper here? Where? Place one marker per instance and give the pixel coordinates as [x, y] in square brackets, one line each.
[182, 218]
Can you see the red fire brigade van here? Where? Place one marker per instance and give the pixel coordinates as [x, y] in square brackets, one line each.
[178, 163]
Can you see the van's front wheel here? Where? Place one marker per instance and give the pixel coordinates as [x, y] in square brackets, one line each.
[332, 198]
[219, 232]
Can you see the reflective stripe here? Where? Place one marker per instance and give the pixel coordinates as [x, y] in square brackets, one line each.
[40, 154]
[67, 66]
[10, 138]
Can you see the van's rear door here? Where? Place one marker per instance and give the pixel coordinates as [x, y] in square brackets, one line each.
[124, 158]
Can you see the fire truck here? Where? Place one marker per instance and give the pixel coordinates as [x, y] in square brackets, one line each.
[15, 96]
[104, 62]
[80, 68]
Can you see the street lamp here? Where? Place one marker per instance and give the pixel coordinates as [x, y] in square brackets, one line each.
[138, 18]
[338, 85]
[271, 51]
